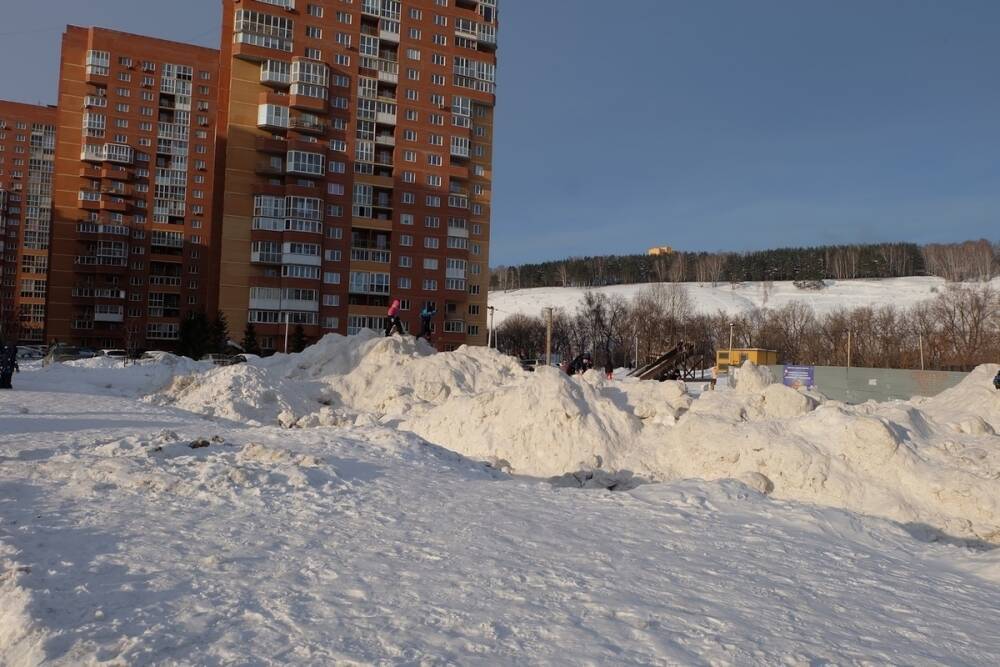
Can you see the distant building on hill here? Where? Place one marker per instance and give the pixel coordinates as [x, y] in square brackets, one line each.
[660, 250]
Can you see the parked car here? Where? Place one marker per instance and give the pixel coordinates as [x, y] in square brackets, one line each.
[225, 359]
[113, 353]
[60, 353]
[27, 352]
[86, 353]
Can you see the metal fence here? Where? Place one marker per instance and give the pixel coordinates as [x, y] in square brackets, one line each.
[857, 385]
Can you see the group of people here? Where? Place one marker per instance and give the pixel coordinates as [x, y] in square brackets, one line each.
[395, 325]
[8, 365]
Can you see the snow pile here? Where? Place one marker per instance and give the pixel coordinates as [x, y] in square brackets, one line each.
[21, 641]
[103, 375]
[926, 462]
[971, 407]
[241, 392]
[546, 425]
[208, 469]
[890, 460]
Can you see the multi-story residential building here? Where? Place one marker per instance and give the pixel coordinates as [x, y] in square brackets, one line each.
[27, 154]
[356, 146]
[134, 181]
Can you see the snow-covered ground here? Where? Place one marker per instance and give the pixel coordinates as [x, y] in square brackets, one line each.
[709, 299]
[369, 501]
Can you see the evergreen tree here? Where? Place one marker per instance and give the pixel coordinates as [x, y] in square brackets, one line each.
[193, 339]
[250, 344]
[299, 340]
[218, 334]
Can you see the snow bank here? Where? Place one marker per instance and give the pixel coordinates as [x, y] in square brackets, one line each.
[931, 462]
[102, 375]
[207, 469]
[242, 392]
[21, 641]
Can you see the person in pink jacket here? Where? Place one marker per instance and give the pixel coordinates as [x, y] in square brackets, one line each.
[393, 319]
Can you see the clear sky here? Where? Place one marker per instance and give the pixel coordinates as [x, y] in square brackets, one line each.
[702, 124]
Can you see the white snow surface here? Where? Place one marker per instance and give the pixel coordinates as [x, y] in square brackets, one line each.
[707, 298]
[370, 501]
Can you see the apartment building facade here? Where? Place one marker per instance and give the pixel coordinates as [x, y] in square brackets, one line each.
[355, 164]
[131, 249]
[27, 156]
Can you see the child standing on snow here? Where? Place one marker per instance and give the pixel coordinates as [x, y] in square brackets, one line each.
[426, 315]
[996, 381]
[393, 319]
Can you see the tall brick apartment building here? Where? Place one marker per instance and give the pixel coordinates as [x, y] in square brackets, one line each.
[27, 153]
[131, 236]
[335, 155]
[357, 141]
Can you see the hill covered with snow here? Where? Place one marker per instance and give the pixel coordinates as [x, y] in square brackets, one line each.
[742, 297]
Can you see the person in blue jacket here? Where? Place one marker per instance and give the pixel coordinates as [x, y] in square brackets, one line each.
[426, 315]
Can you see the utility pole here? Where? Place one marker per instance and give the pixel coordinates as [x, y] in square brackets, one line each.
[920, 338]
[848, 349]
[286, 332]
[732, 325]
[491, 337]
[636, 351]
[548, 336]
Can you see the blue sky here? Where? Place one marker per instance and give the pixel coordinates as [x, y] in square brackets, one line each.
[706, 125]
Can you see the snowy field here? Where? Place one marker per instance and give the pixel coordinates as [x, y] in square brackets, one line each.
[706, 299]
[371, 502]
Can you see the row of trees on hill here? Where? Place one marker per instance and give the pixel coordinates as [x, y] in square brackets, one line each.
[958, 329]
[971, 260]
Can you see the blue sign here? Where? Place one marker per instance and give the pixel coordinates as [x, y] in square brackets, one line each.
[800, 376]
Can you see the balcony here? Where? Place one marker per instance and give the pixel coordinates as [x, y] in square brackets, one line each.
[268, 169]
[306, 125]
[270, 145]
[388, 71]
[370, 255]
[120, 153]
[165, 281]
[259, 257]
[91, 260]
[114, 204]
[94, 228]
[385, 139]
[276, 73]
[97, 293]
[95, 102]
[305, 260]
[109, 313]
[370, 287]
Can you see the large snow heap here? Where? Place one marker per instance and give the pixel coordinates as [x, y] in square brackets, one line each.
[932, 464]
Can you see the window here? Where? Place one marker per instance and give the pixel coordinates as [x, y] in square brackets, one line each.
[405, 262]
[315, 10]
[430, 264]
[406, 219]
[431, 242]
[315, 32]
[430, 285]
[405, 240]
[331, 300]
[331, 278]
